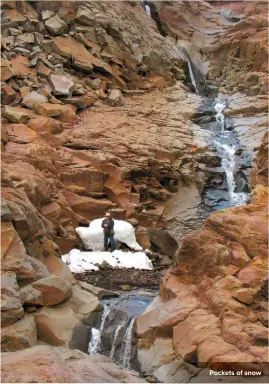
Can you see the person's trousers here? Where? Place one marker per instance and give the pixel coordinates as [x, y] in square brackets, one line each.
[111, 240]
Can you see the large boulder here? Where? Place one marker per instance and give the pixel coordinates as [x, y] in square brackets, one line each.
[20, 335]
[84, 304]
[14, 257]
[48, 364]
[11, 304]
[54, 289]
[188, 334]
[163, 317]
[163, 241]
[57, 267]
[161, 352]
[37, 364]
[142, 237]
[60, 326]
[92, 371]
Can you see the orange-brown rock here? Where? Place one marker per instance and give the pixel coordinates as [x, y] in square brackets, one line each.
[43, 123]
[189, 334]
[14, 257]
[68, 114]
[84, 303]
[58, 364]
[87, 207]
[142, 237]
[57, 267]
[47, 109]
[243, 295]
[20, 133]
[8, 94]
[6, 70]
[40, 361]
[54, 289]
[162, 319]
[60, 326]
[20, 335]
[253, 274]
[82, 58]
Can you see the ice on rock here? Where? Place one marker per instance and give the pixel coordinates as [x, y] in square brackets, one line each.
[86, 261]
[93, 237]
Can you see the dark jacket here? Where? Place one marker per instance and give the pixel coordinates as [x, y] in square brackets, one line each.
[109, 230]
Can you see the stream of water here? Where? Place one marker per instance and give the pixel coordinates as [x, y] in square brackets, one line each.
[226, 146]
[113, 336]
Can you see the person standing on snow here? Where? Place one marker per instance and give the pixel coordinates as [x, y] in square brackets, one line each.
[108, 225]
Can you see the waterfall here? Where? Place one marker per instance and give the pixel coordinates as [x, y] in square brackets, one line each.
[219, 108]
[116, 334]
[226, 147]
[95, 343]
[147, 9]
[192, 77]
[127, 345]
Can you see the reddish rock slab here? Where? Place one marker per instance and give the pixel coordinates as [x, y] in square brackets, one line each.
[86, 206]
[38, 364]
[253, 274]
[160, 320]
[45, 124]
[20, 133]
[188, 334]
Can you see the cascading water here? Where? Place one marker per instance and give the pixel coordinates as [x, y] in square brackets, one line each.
[220, 107]
[226, 146]
[147, 9]
[116, 335]
[95, 343]
[127, 345]
[193, 81]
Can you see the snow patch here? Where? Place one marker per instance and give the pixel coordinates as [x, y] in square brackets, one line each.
[86, 261]
[93, 237]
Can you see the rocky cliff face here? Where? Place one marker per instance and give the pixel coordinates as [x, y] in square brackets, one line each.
[227, 41]
[213, 309]
[99, 113]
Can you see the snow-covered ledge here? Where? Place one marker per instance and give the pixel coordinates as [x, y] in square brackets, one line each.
[93, 239]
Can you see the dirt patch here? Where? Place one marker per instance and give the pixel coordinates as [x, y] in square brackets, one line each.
[128, 278]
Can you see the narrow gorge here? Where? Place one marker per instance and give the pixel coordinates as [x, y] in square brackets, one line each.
[157, 112]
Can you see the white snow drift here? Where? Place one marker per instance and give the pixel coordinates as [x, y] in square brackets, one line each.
[87, 261]
[93, 237]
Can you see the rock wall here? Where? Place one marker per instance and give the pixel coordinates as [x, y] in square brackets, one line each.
[214, 302]
[227, 41]
[92, 120]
